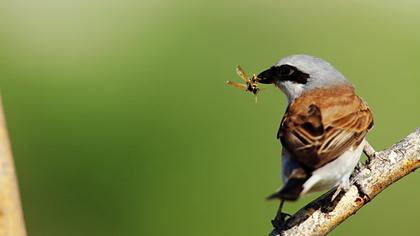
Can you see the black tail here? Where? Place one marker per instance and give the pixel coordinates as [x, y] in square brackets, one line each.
[290, 191]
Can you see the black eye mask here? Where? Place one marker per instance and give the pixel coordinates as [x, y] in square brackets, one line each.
[283, 73]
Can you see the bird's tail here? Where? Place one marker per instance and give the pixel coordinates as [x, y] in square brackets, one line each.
[290, 191]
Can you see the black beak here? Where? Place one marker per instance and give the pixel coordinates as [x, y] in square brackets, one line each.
[267, 77]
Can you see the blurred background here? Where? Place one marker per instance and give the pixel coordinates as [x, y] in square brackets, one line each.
[121, 122]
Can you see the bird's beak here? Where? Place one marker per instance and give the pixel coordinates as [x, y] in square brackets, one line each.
[266, 77]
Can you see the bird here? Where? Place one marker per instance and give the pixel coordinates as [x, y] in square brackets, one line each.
[323, 131]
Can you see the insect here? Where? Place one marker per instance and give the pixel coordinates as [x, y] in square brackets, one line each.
[250, 84]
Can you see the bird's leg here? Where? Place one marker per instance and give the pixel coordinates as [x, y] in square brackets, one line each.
[369, 151]
[337, 191]
[344, 186]
[280, 218]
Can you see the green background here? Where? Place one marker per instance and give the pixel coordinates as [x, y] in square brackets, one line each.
[121, 122]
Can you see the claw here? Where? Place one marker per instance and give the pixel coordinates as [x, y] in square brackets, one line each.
[369, 151]
[280, 219]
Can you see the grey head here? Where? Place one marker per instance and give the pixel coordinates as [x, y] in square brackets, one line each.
[297, 74]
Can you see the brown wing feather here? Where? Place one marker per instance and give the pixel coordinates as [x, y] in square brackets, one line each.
[321, 125]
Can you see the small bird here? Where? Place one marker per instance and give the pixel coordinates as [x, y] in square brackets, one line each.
[323, 129]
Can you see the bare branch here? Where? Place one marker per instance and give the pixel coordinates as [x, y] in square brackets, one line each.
[11, 218]
[323, 215]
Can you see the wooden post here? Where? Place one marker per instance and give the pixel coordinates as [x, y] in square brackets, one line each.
[11, 216]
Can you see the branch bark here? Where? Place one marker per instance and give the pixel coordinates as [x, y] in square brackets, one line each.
[11, 217]
[388, 166]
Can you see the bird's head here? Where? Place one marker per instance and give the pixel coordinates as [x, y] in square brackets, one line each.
[296, 74]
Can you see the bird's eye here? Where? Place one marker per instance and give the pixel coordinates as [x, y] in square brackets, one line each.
[286, 71]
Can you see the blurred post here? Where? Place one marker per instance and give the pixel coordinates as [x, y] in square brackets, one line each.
[11, 217]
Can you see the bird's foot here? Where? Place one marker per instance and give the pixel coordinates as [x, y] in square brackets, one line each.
[369, 152]
[279, 221]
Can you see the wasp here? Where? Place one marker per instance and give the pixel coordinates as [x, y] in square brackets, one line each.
[250, 84]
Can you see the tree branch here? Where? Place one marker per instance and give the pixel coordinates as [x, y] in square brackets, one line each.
[386, 167]
[11, 218]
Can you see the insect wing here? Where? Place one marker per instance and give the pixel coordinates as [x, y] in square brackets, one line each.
[242, 74]
[238, 85]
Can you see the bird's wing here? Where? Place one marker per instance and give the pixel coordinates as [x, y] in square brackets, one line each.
[321, 125]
